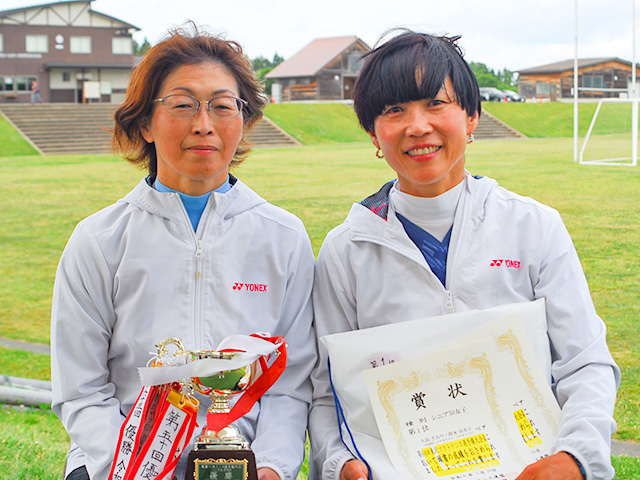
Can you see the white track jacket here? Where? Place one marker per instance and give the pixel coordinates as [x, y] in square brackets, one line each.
[136, 273]
[504, 249]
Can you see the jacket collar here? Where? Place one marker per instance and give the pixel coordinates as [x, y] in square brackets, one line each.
[373, 218]
[237, 200]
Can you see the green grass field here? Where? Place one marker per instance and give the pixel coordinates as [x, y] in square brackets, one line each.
[555, 119]
[43, 198]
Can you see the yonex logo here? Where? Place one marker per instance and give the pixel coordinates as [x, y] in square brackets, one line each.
[250, 287]
[507, 263]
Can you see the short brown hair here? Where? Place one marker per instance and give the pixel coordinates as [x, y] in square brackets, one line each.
[179, 49]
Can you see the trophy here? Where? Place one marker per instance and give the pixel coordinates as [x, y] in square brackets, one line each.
[225, 451]
[221, 451]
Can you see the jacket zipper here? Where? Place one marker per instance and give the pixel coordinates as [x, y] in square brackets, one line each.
[449, 301]
[198, 280]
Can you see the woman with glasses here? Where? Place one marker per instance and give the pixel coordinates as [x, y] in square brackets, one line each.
[191, 252]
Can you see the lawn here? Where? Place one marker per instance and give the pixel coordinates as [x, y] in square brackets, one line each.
[12, 142]
[43, 198]
[555, 119]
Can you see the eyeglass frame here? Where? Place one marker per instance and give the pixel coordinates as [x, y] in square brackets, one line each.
[241, 102]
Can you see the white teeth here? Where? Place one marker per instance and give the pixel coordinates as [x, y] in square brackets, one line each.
[423, 151]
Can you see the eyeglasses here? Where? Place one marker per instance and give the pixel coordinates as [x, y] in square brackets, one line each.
[187, 106]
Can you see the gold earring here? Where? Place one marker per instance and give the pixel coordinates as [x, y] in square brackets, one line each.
[379, 154]
[470, 138]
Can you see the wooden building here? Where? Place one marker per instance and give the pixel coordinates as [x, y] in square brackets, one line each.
[75, 53]
[555, 81]
[325, 69]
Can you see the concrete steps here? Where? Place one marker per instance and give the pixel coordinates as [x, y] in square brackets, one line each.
[62, 129]
[491, 128]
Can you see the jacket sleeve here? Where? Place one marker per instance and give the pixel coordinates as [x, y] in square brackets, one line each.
[81, 322]
[585, 376]
[334, 311]
[281, 429]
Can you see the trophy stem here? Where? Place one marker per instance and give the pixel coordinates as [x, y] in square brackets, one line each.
[220, 403]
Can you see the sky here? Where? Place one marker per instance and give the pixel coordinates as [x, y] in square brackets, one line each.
[511, 34]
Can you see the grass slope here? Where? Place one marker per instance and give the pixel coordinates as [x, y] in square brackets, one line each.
[317, 124]
[555, 119]
[11, 142]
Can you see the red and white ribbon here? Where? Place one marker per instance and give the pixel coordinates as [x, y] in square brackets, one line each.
[154, 434]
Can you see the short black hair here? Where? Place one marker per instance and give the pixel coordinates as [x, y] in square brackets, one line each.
[391, 73]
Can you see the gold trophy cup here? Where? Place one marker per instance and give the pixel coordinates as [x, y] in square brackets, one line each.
[225, 453]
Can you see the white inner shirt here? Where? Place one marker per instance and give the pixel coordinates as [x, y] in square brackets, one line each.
[433, 214]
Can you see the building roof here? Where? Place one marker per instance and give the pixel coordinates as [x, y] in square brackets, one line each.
[32, 15]
[567, 65]
[314, 57]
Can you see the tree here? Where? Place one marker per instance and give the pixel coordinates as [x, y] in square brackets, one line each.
[139, 50]
[504, 80]
[262, 66]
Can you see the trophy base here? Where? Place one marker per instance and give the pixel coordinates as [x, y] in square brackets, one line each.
[207, 463]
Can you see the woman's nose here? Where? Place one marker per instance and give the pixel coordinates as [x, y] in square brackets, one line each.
[203, 121]
[418, 122]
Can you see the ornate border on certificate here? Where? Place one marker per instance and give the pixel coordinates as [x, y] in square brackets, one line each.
[437, 458]
[507, 421]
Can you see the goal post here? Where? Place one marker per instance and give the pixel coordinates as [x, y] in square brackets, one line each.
[611, 153]
[630, 93]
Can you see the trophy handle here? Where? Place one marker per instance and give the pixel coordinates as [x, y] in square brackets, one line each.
[163, 349]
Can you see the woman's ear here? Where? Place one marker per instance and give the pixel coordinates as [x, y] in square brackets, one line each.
[472, 123]
[374, 140]
[145, 131]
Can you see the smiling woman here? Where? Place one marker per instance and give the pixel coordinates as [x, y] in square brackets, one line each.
[426, 244]
[166, 261]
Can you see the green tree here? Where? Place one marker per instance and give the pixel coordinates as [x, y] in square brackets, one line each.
[504, 79]
[139, 50]
[508, 77]
[262, 66]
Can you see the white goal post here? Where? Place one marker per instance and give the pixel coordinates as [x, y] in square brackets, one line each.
[619, 161]
[632, 99]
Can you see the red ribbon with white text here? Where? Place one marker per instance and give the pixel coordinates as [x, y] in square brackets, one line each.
[154, 434]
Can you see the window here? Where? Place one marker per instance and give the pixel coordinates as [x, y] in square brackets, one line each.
[355, 62]
[122, 46]
[66, 77]
[6, 84]
[542, 89]
[21, 84]
[1, 43]
[37, 44]
[80, 44]
[593, 81]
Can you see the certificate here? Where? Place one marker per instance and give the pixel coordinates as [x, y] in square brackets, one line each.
[480, 409]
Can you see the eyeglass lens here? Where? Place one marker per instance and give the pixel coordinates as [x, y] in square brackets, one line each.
[187, 106]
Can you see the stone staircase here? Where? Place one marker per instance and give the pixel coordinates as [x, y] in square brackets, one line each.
[63, 129]
[491, 128]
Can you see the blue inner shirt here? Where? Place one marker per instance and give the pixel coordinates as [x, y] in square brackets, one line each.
[193, 205]
[434, 251]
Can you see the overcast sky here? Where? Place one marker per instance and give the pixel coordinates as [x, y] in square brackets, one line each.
[513, 34]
